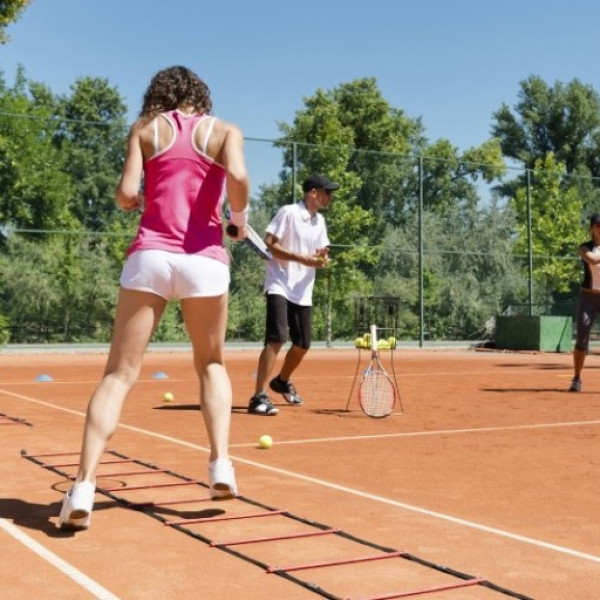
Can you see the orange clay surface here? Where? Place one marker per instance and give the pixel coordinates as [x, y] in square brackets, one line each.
[492, 470]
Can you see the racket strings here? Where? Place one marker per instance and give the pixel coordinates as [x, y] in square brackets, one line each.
[377, 394]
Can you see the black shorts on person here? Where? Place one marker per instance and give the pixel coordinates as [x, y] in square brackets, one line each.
[283, 314]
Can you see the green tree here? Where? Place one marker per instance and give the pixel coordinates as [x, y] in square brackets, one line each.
[34, 190]
[554, 133]
[449, 178]
[10, 11]
[469, 271]
[353, 133]
[563, 119]
[556, 208]
[57, 288]
[246, 318]
[91, 138]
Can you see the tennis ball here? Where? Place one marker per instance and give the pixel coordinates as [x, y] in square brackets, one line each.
[265, 441]
[168, 397]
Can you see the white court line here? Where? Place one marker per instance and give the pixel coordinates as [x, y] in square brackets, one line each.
[64, 567]
[359, 493]
[403, 374]
[92, 382]
[427, 433]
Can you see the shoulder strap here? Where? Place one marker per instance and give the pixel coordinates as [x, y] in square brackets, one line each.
[155, 125]
[208, 134]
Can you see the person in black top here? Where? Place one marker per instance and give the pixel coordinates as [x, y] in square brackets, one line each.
[589, 300]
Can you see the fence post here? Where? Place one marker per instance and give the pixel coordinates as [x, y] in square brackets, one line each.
[328, 319]
[421, 292]
[529, 243]
[294, 170]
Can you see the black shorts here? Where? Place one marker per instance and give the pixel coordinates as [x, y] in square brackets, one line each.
[283, 314]
[587, 309]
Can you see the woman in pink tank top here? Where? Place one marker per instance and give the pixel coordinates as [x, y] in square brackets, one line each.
[188, 161]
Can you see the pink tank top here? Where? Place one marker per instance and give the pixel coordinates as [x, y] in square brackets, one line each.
[184, 194]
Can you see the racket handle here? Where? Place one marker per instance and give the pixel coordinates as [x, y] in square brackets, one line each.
[373, 329]
[232, 230]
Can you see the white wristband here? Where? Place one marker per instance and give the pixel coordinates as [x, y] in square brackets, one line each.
[239, 218]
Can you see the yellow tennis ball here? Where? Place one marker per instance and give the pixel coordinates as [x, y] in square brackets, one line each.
[265, 441]
[168, 397]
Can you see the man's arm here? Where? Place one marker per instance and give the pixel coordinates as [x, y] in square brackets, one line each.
[317, 260]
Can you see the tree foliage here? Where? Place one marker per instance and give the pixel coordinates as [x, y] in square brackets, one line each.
[442, 231]
[380, 155]
[35, 191]
[57, 288]
[555, 209]
[554, 132]
[562, 119]
[10, 11]
[53, 151]
[90, 139]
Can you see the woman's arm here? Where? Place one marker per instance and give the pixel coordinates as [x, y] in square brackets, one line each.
[589, 256]
[237, 184]
[128, 189]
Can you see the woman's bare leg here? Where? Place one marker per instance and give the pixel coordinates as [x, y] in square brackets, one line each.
[137, 315]
[205, 320]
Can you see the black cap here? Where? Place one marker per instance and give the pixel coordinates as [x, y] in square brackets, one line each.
[319, 182]
[594, 219]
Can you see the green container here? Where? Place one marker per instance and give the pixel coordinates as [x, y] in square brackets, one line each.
[550, 334]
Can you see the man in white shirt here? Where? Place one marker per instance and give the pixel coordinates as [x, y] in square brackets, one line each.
[297, 238]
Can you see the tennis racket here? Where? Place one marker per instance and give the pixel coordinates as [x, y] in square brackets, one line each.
[252, 239]
[377, 392]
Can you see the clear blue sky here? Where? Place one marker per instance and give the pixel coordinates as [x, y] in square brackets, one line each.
[451, 62]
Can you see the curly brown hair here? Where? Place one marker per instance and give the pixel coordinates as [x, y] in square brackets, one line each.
[173, 88]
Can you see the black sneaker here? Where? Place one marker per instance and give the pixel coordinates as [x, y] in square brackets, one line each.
[286, 389]
[261, 405]
[575, 385]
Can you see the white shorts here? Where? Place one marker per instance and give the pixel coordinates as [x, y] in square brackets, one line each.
[174, 276]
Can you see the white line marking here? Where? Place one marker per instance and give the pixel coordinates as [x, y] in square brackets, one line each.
[381, 499]
[434, 432]
[64, 567]
[402, 375]
[430, 513]
[93, 382]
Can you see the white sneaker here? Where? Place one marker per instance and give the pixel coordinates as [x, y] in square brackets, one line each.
[221, 475]
[76, 511]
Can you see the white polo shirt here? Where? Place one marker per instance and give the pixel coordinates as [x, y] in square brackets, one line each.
[298, 232]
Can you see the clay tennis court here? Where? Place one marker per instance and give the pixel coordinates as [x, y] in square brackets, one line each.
[486, 487]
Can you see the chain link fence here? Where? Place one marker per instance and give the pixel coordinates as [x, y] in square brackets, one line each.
[454, 245]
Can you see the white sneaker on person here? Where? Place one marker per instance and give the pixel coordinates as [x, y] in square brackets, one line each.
[76, 511]
[221, 476]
